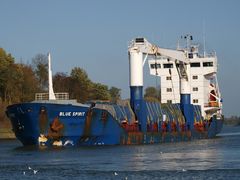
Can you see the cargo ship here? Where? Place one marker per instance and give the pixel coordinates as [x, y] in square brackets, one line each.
[190, 106]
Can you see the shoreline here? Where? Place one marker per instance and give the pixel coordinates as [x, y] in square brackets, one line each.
[6, 133]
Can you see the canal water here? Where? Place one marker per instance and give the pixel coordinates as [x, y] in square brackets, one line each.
[217, 158]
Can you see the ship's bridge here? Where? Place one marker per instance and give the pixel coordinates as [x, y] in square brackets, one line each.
[203, 69]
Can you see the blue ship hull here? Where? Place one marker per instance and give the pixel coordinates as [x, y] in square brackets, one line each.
[51, 124]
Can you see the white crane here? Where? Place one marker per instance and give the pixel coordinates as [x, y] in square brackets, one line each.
[140, 46]
[136, 50]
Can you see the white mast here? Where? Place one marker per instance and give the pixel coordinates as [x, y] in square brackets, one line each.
[50, 84]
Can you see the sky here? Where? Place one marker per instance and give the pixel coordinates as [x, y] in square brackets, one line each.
[94, 35]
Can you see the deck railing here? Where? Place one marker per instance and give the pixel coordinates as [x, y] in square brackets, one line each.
[45, 96]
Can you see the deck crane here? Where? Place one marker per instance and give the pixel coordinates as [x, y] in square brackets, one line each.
[136, 51]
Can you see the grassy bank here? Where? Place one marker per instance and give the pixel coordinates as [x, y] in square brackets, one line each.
[6, 133]
[5, 124]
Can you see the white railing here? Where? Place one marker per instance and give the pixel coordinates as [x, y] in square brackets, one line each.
[45, 96]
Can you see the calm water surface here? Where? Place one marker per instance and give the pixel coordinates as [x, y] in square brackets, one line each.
[217, 158]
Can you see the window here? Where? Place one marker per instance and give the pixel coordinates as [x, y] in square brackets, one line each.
[190, 55]
[169, 89]
[196, 64]
[169, 101]
[168, 78]
[155, 66]
[168, 65]
[195, 88]
[207, 64]
[195, 100]
[139, 40]
[195, 77]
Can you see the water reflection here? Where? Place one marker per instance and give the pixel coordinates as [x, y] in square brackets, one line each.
[191, 155]
[218, 153]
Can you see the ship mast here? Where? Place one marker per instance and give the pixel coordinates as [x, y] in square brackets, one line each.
[50, 84]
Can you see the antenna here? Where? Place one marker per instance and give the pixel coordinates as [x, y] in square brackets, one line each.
[204, 40]
[188, 39]
[178, 46]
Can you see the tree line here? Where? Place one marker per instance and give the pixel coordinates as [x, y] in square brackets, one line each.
[19, 82]
[233, 120]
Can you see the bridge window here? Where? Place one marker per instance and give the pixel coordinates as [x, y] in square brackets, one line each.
[196, 64]
[169, 65]
[190, 55]
[168, 78]
[195, 88]
[195, 100]
[169, 89]
[207, 64]
[155, 66]
[195, 77]
[139, 40]
[169, 101]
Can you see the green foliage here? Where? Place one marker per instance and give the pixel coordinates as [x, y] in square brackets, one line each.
[6, 59]
[152, 94]
[29, 85]
[83, 89]
[80, 84]
[80, 87]
[61, 82]
[7, 75]
[100, 92]
[13, 84]
[40, 66]
[115, 94]
[20, 82]
[17, 81]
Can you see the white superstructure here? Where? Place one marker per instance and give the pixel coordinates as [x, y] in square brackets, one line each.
[202, 71]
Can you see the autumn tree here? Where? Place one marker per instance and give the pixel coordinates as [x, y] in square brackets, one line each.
[100, 92]
[80, 85]
[6, 74]
[14, 84]
[61, 82]
[152, 94]
[19, 82]
[83, 89]
[29, 85]
[115, 94]
[40, 67]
